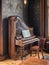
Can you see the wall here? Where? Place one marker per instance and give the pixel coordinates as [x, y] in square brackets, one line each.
[12, 7]
[47, 19]
[34, 15]
[25, 12]
[48, 15]
[9, 8]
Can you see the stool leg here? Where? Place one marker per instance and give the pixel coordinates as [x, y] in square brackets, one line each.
[42, 52]
[38, 53]
[30, 52]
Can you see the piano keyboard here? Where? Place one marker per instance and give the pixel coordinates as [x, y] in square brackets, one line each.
[30, 40]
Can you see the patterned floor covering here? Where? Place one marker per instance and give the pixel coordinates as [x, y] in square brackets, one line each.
[16, 62]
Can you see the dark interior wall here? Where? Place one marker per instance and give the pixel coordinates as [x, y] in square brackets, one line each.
[5, 36]
[34, 15]
[25, 12]
[45, 18]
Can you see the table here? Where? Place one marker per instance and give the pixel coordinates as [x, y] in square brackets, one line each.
[34, 61]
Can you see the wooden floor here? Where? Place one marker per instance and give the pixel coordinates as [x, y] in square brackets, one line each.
[17, 62]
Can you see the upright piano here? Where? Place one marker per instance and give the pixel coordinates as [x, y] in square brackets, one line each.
[15, 27]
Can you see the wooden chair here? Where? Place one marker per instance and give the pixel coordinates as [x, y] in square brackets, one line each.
[39, 47]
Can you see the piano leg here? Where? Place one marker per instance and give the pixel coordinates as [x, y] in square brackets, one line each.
[22, 51]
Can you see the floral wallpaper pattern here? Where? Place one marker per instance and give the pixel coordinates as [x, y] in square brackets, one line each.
[12, 7]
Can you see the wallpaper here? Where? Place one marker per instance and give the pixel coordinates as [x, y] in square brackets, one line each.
[12, 7]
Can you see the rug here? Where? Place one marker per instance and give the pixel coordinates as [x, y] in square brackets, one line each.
[45, 57]
[34, 61]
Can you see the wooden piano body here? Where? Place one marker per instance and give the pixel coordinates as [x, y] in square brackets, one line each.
[12, 29]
